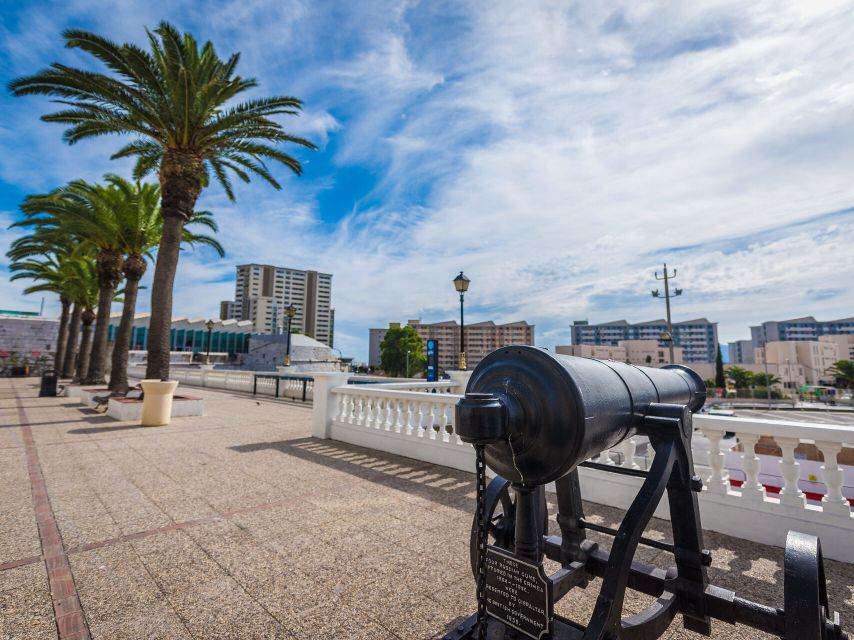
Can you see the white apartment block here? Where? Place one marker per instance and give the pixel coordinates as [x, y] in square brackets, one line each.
[262, 293]
[815, 357]
[646, 353]
[481, 338]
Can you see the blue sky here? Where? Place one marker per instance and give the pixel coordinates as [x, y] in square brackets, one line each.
[557, 152]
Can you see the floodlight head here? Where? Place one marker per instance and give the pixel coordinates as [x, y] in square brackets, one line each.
[677, 292]
[655, 293]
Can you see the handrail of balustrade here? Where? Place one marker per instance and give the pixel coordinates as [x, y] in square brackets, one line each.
[375, 391]
[777, 428]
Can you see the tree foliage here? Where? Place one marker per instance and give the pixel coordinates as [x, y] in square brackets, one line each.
[760, 380]
[720, 380]
[843, 372]
[740, 377]
[393, 348]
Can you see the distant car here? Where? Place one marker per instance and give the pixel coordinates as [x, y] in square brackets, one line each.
[721, 412]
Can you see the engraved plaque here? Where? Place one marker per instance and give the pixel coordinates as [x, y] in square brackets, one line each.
[518, 593]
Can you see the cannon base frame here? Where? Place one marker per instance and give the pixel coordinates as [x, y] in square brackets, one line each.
[682, 589]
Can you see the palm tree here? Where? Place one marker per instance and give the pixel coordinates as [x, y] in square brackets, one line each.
[80, 287]
[48, 260]
[50, 277]
[139, 225]
[87, 212]
[175, 100]
[120, 220]
[87, 293]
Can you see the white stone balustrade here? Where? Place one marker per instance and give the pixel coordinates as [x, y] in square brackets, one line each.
[421, 426]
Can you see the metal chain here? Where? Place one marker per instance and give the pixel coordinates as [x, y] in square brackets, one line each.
[482, 540]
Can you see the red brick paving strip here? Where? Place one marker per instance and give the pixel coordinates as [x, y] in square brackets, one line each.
[70, 622]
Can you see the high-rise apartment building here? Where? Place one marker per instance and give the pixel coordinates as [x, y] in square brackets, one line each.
[806, 328]
[481, 338]
[262, 293]
[741, 352]
[226, 310]
[698, 338]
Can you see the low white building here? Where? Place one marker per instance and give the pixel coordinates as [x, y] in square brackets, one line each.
[267, 352]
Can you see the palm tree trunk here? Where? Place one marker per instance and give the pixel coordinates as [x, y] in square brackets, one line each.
[161, 298]
[87, 317]
[119, 367]
[98, 359]
[62, 337]
[68, 360]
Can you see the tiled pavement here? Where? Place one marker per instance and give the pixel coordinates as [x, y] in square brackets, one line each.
[239, 525]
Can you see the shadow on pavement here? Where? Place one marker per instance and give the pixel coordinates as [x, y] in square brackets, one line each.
[442, 485]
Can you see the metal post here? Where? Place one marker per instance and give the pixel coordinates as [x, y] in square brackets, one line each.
[765, 358]
[208, 354]
[667, 306]
[277, 386]
[288, 350]
[407, 363]
[304, 387]
[462, 336]
[254, 385]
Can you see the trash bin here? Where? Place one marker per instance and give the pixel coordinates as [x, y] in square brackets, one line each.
[48, 386]
[157, 402]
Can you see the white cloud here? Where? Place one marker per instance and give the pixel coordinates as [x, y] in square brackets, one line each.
[556, 153]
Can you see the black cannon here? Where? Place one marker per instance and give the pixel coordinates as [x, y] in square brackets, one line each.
[534, 418]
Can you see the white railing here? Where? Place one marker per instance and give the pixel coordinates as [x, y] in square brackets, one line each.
[442, 386]
[421, 426]
[231, 380]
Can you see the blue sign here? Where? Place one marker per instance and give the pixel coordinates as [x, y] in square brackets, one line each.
[432, 360]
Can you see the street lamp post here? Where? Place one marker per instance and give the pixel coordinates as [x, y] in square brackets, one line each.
[210, 325]
[461, 283]
[290, 311]
[407, 363]
[667, 296]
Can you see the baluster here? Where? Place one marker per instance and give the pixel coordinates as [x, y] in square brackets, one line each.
[351, 409]
[418, 420]
[354, 415]
[443, 422]
[388, 413]
[833, 501]
[628, 448]
[358, 409]
[752, 489]
[347, 408]
[790, 494]
[408, 417]
[428, 419]
[397, 416]
[369, 412]
[718, 482]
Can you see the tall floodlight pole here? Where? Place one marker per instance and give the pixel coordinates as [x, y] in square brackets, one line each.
[290, 311]
[667, 296]
[461, 283]
[765, 358]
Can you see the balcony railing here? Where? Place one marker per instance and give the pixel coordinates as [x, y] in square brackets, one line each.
[748, 494]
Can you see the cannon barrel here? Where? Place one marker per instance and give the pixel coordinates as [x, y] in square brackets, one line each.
[539, 414]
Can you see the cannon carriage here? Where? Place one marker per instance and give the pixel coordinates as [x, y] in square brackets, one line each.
[534, 418]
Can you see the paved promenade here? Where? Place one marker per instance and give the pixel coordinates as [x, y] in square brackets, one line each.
[239, 525]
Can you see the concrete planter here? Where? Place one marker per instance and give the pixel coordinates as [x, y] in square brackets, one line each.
[157, 402]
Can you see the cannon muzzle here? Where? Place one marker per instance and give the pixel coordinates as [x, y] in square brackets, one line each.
[541, 414]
